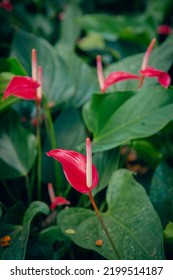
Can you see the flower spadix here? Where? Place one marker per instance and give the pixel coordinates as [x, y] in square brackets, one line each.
[79, 170]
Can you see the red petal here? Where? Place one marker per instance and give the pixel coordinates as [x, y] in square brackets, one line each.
[59, 200]
[6, 5]
[164, 29]
[116, 77]
[22, 87]
[162, 76]
[74, 166]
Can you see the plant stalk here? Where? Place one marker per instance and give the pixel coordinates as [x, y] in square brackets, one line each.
[39, 158]
[141, 81]
[28, 188]
[53, 142]
[118, 255]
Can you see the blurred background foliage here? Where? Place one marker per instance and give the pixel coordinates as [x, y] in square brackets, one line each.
[114, 28]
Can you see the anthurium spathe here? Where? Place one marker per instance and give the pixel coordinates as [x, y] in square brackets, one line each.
[164, 29]
[6, 5]
[113, 77]
[162, 76]
[22, 87]
[119, 76]
[151, 72]
[59, 200]
[56, 200]
[75, 169]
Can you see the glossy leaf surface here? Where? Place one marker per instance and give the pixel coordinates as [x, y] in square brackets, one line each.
[17, 147]
[19, 234]
[129, 207]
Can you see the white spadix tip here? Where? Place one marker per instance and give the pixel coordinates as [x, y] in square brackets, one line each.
[88, 163]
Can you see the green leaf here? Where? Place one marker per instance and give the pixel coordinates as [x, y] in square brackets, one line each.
[140, 116]
[17, 147]
[101, 107]
[161, 192]
[168, 232]
[11, 65]
[106, 163]
[91, 42]
[34, 209]
[130, 219]
[70, 30]
[14, 215]
[147, 152]
[19, 234]
[52, 235]
[69, 122]
[62, 82]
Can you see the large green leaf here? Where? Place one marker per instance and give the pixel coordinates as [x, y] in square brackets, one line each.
[161, 192]
[65, 76]
[161, 58]
[130, 219]
[70, 31]
[19, 234]
[106, 163]
[17, 147]
[101, 107]
[140, 116]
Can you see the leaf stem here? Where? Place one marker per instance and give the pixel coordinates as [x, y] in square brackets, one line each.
[118, 255]
[53, 141]
[10, 194]
[39, 158]
[28, 188]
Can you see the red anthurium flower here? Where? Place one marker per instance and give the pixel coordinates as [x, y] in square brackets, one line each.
[59, 200]
[22, 87]
[79, 171]
[164, 29]
[162, 76]
[119, 76]
[6, 5]
[113, 77]
[56, 200]
[145, 60]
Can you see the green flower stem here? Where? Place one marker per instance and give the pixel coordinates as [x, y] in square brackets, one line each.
[29, 192]
[9, 193]
[118, 255]
[39, 158]
[53, 141]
